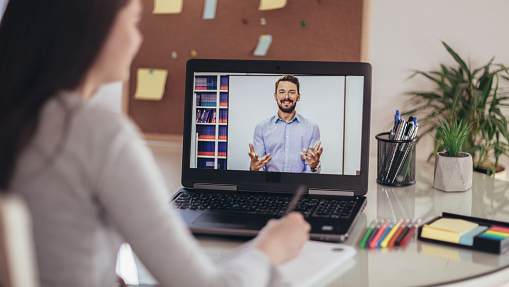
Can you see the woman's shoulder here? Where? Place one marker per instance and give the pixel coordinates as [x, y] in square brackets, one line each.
[89, 119]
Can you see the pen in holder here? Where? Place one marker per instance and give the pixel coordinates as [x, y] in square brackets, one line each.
[396, 161]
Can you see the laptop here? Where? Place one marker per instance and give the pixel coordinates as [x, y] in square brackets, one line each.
[231, 104]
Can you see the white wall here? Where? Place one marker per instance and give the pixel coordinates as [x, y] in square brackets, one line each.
[406, 34]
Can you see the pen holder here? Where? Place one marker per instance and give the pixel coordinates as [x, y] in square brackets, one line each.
[396, 161]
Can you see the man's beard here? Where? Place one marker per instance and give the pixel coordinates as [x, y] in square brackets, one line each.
[287, 110]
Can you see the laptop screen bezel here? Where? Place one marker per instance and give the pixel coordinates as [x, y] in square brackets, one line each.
[276, 181]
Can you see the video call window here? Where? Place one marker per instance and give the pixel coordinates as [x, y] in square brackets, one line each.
[228, 108]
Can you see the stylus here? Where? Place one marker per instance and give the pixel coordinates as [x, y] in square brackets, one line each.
[295, 200]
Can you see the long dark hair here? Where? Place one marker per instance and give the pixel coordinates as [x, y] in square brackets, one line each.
[45, 47]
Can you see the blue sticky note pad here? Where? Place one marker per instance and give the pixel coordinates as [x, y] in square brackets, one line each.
[263, 45]
[468, 238]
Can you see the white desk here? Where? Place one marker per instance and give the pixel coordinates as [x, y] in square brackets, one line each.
[418, 263]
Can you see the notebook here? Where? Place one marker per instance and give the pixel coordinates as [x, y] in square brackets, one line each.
[231, 104]
[317, 263]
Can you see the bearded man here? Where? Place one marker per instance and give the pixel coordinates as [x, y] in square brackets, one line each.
[286, 142]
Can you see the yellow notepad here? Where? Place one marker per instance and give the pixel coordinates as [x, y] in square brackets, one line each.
[447, 229]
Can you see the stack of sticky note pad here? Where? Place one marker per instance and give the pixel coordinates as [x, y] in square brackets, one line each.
[475, 233]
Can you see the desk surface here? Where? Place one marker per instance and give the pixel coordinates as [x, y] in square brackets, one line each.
[418, 263]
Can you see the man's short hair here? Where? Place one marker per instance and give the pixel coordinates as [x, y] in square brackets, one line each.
[289, 78]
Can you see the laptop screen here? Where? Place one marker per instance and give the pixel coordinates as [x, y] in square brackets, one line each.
[277, 123]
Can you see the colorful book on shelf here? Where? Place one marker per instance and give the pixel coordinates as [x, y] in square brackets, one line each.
[223, 116]
[207, 148]
[207, 100]
[205, 83]
[206, 132]
[211, 83]
[223, 99]
[198, 99]
[223, 133]
[207, 137]
[198, 115]
[224, 83]
[213, 117]
[204, 116]
[205, 163]
[221, 149]
[200, 83]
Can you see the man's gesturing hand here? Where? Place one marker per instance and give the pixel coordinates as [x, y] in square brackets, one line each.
[312, 156]
[257, 163]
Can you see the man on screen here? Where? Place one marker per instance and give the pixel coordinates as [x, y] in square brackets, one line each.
[286, 142]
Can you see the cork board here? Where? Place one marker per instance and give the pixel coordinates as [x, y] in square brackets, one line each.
[333, 30]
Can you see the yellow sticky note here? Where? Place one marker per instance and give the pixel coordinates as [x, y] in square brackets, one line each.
[453, 224]
[167, 6]
[151, 84]
[447, 229]
[271, 4]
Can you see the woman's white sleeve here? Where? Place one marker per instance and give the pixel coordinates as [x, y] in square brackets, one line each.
[132, 190]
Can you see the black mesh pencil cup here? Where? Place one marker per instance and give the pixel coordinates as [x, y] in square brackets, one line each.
[396, 161]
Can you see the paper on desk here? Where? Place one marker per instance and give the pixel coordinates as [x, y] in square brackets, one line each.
[316, 261]
[126, 265]
[150, 84]
[167, 6]
[271, 4]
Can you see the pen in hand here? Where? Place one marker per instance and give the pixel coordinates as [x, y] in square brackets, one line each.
[295, 200]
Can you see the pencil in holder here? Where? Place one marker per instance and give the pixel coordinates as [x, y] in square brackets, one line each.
[396, 161]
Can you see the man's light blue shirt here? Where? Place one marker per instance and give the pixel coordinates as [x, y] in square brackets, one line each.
[285, 141]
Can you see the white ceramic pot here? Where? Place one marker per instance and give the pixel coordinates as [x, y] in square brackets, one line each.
[453, 173]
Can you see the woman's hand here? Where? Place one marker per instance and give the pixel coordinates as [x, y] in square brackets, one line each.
[282, 239]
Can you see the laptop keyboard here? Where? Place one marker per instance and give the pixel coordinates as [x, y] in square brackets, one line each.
[264, 204]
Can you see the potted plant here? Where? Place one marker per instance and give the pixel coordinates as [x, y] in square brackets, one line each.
[471, 96]
[453, 169]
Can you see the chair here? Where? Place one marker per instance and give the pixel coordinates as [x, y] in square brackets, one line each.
[17, 251]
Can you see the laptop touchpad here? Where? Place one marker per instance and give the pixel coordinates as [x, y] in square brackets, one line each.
[213, 219]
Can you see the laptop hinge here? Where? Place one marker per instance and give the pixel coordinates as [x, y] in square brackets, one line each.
[230, 187]
[342, 192]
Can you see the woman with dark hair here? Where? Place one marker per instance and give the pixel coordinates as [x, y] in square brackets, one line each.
[89, 180]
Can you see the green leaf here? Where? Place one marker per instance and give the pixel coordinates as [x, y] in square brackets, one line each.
[472, 97]
[458, 59]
